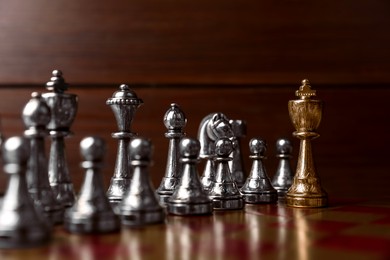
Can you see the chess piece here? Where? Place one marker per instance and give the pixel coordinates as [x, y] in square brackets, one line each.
[124, 103]
[213, 127]
[140, 205]
[92, 212]
[206, 153]
[36, 115]
[189, 197]
[224, 191]
[258, 187]
[174, 121]
[283, 176]
[21, 223]
[305, 114]
[63, 108]
[236, 164]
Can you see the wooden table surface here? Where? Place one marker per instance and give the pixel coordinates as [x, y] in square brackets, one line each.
[353, 229]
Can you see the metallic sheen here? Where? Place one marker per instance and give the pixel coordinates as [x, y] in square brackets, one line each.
[258, 187]
[237, 162]
[36, 115]
[21, 223]
[189, 197]
[224, 191]
[140, 205]
[124, 103]
[92, 212]
[174, 120]
[283, 177]
[305, 114]
[211, 128]
[63, 108]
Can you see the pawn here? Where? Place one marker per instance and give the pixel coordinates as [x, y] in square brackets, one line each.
[189, 197]
[140, 205]
[284, 175]
[36, 115]
[21, 223]
[224, 191]
[258, 187]
[92, 211]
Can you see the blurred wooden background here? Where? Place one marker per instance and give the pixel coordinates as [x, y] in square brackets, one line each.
[243, 58]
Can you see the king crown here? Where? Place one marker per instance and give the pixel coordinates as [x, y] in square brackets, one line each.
[305, 90]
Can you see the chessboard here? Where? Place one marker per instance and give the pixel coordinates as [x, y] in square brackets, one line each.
[347, 229]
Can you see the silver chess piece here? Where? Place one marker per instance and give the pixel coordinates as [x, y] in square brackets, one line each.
[140, 205]
[284, 175]
[21, 223]
[63, 108]
[124, 103]
[258, 187]
[189, 197]
[237, 162]
[211, 128]
[92, 212]
[174, 120]
[206, 153]
[224, 191]
[36, 115]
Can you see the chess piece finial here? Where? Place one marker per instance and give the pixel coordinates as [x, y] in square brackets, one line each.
[92, 212]
[305, 90]
[57, 83]
[258, 187]
[124, 103]
[174, 120]
[36, 115]
[284, 175]
[224, 191]
[140, 205]
[305, 114]
[63, 108]
[237, 162]
[21, 223]
[189, 197]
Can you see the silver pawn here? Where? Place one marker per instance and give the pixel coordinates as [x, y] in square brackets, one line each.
[124, 103]
[63, 108]
[36, 115]
[284, 176]
[258, 187]
[189, 197]
[174, 121]
[224, 191]
[140, 205]
[21, 223]
[91, 212]
[236, 164]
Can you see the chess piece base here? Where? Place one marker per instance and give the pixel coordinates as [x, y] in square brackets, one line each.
[281, 191]
[106, 224]
[19, 238]
[56, 216]
[254, 198]
[163, 198]
[190, 209]
[227, 204]
[141, 218]
[306, 201]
